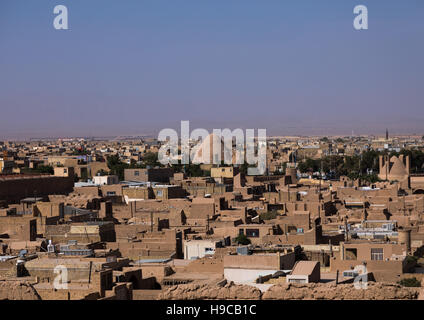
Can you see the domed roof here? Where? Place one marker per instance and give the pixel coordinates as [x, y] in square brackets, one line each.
[398, 168]
[205, 153]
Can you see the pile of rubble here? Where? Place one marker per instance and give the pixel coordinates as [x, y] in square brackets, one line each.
[17, 290]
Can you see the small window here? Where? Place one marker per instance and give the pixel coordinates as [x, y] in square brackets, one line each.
[350, 274]
[376, 253]
[209, 250]
[159, 193]
[136, 173]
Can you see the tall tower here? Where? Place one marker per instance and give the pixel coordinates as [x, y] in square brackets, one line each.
[387, 134]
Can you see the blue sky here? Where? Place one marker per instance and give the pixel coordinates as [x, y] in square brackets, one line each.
[138, 66]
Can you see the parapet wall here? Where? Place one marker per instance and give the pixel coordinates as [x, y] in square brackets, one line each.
[15, 189]
[311, 291]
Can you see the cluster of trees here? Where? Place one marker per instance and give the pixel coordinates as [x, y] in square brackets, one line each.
[117, 167]
[269, 215]
[334, 166]
[150, 159]
[101, 172]
[39, 169]
[195, 170]
[410, 282]
[358, 166]
[242, 239]
[80, 152]
[417, 159]
[326, 140]
[191, 170]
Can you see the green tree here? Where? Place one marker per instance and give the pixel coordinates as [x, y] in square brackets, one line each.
[243, 168]
[309, 165]
[116, 166]
[242, 239]
[135, 165]
[40, 169]
[113, 160]
[177, 167]
[84, 176]
[194, 170]
[416, 157]
[80, 152]
[151, 159]
[45, 169]
[372, 178]
[269, 215]
[101, 172]
[410, 282]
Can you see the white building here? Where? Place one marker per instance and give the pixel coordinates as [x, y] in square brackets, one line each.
[105, 180]
[196, 249]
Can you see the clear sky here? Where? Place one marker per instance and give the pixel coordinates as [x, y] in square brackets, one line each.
[137, 66]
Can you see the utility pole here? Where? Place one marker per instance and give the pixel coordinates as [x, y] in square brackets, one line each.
[89, 274]
[207, 224]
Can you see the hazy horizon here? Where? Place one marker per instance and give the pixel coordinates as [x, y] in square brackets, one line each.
[135, 67]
